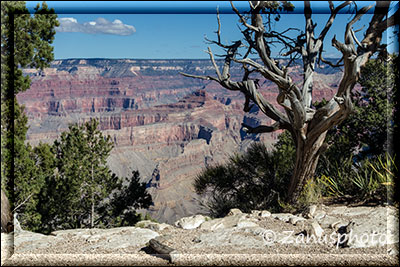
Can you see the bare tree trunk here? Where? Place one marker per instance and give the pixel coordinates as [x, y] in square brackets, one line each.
[92, 210]
[92, 214]
[307, 155]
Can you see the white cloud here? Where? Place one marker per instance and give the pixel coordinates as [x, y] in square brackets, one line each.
[99, 26]
[72, 20]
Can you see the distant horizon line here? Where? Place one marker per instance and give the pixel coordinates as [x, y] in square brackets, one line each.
[99, 58]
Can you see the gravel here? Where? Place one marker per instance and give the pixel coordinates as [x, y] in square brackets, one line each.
[194, 248]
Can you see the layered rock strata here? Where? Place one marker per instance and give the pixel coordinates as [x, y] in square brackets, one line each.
[167, 126]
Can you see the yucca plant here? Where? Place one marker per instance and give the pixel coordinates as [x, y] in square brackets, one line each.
[365, 180]
[384, 168]
[332, 185]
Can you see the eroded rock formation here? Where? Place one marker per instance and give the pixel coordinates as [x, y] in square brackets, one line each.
[165, 125]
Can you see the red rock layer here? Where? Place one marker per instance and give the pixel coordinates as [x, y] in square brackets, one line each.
[168, 126]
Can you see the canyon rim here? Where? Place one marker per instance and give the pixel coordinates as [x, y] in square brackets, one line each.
[167, 126]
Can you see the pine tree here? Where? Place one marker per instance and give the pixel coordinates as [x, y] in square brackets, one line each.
[46, 170]
[25, 42]
[78, 189]
[97, 150]
[368, 131]
[71, 173]
[84, 179]
[120, 209]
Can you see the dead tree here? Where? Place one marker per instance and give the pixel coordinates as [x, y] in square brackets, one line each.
[307, 124]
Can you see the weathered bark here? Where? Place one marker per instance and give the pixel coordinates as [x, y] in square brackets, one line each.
[307, 155]
[307, 124]
[6, 215]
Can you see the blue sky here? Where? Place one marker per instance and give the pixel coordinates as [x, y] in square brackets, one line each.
[164, 29]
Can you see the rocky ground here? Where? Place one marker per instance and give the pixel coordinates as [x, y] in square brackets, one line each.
[323, 235]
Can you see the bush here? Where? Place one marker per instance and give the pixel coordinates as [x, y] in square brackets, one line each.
[256, 179]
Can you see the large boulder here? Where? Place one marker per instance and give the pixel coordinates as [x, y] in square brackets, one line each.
[111, 240]
[25, 241]
[377, 227]
[222, 223]
[246, 224]
[120, 238]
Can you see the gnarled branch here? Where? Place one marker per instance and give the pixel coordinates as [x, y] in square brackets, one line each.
[262, 128]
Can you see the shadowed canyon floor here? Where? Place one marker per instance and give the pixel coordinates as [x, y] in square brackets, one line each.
[167, 126]
[324, 235]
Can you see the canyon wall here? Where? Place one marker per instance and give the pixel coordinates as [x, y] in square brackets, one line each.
[167, 126]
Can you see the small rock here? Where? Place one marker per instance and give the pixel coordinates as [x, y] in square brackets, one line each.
[212, 225]
[319, 215]
[255, 212]
[191, 222]
[234, 212]
[153, 225]
[265, 213]
[196, 240]
[316, 230]
[164, 251]
[393, 252]
[329, 221]
[223, 223]
[334, 225]
[174, 256]
[311, 211]
[93, 239]
[295, 219]
[282, 216]
[159, 226]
